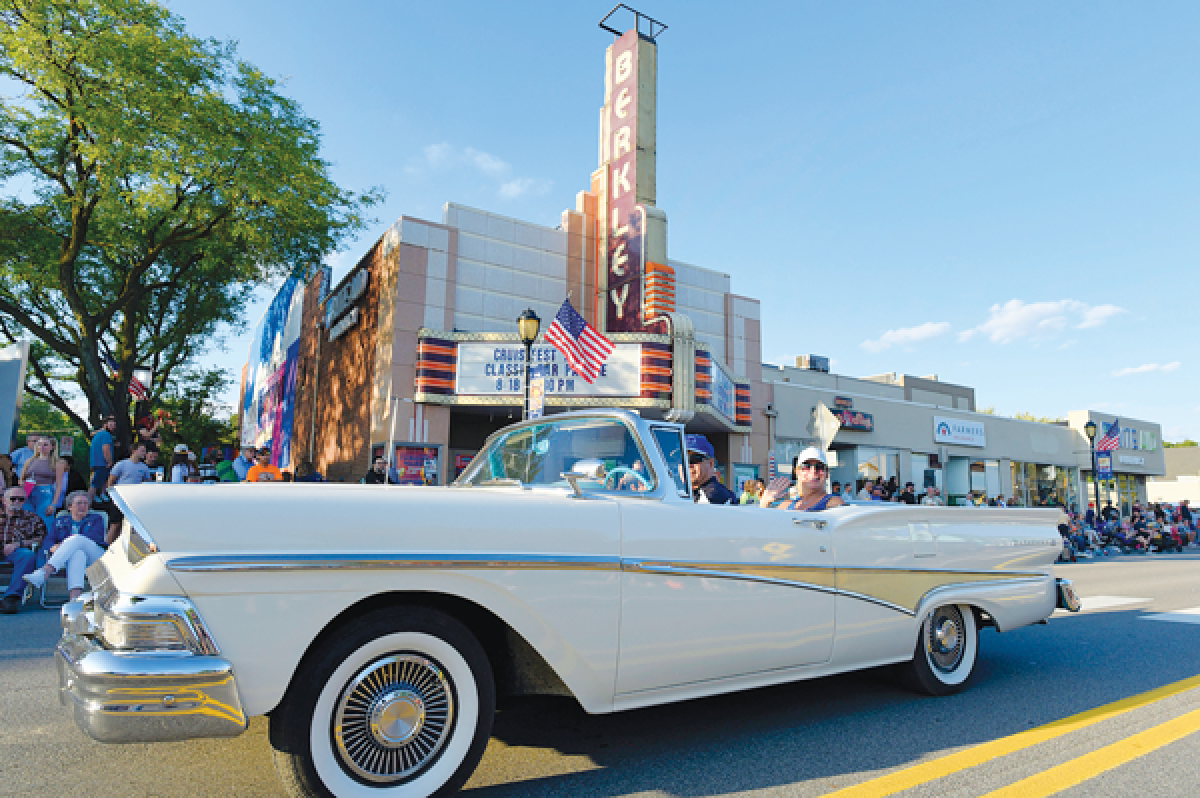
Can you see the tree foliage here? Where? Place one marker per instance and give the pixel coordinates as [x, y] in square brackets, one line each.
[1186, 443]
[38, 415]
[152, 179]
[196, 417]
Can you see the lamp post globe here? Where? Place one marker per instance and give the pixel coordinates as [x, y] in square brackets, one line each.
[528, 325]
[1089, 429]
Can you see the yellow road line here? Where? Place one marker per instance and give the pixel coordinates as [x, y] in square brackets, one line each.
[907, 778]
[1090, 765]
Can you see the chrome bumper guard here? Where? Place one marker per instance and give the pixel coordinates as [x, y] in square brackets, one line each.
[119, 697]
[1068, 599]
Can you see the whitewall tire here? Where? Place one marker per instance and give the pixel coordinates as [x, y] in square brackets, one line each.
[946, 651]
[398, 704]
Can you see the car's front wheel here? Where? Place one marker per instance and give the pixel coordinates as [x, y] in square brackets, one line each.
[399, 703]
[946, 651]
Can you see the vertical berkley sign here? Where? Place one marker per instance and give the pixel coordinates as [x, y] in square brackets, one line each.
[626, 217]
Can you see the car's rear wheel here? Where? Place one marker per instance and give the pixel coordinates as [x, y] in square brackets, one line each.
[399, 703]
[946, 651]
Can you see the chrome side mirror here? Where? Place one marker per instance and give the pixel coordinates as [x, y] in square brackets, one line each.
[583, 469]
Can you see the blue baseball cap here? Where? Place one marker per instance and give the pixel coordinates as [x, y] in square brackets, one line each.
[700, 445]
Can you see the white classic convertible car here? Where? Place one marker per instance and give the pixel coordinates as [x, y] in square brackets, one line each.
[374, 626]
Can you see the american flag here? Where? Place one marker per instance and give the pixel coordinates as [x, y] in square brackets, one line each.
[584, 348]
[136, 389]
[1112, 438]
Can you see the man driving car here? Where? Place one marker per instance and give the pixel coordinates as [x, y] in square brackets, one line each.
[706, 488]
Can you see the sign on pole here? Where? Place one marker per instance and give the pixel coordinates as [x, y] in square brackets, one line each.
[1104, 466]
[537, 392]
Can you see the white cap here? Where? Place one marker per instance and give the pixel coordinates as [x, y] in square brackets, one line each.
[812, 453]
[180, 448]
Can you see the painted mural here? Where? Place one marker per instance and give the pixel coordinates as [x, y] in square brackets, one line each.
[270, 399]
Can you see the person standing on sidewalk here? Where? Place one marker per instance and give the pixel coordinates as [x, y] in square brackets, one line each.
[102, 456]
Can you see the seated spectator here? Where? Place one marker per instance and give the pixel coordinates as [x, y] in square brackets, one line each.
[76, 541]
[305, 472]
[909, 494]
[865, 492]
[263, 471]
[21, 534]
[380, 474]
[132, 471]
[244, 462]
[931, 499]
[225, 470]
[153, 469]
[752, 490]
[207, 468]
[181, 465]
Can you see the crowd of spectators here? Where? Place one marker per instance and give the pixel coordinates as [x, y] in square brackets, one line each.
[1160, 527]
[57, 520]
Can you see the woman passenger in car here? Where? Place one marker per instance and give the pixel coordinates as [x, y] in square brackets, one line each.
[810, 480]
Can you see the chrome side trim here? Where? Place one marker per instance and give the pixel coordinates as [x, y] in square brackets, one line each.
[874, 600]
[383, 562]
[745, 576]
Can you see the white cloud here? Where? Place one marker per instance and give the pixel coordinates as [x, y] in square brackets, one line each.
[906, 336]
[1095, 316]
[1147, 368]
[1016, 319]
[444, 156]
[523, 186]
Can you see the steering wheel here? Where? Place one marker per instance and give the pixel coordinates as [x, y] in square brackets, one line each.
[619, 472]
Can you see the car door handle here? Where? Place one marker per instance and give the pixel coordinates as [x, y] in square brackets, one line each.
[816, 522]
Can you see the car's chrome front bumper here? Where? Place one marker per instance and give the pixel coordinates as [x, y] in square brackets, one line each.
[121, 697]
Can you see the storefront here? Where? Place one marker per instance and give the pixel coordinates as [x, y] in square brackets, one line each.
[1139, 454]
[881, 434]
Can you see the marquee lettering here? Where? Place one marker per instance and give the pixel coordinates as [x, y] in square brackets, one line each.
[621, 106]
[619, 296]
[621, 143]
[624, 66]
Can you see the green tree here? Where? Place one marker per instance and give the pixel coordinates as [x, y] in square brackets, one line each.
[1041, 419]
[152, 180]
[197, 418]
[1183, 444]
[38, 415]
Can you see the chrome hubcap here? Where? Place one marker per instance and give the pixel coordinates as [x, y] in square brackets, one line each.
[393, 718]
[945, 640]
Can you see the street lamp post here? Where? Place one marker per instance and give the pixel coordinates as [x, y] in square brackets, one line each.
[528, 325]
[1090, 430]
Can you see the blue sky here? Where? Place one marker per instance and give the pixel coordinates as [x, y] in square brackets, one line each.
[1006, 195]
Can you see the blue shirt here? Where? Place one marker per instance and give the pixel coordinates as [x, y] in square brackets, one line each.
[241, 466]
[98, 440]
[92, 526]
[19, 458]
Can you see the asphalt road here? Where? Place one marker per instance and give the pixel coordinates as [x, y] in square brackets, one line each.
[804, 739]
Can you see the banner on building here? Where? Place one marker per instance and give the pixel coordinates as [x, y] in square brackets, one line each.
[958, 432]
[498, 369]
[1104, 467]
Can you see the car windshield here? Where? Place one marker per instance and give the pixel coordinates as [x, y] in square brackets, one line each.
[540, 454]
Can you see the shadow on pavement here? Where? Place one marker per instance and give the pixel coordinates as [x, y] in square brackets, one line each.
[850, 724]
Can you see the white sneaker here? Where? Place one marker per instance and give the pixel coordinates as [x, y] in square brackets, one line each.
[37, 578]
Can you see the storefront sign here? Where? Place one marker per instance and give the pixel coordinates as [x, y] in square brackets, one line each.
[1129, 459]
[1104, 466]
[347, 321]
[626, 219]
[498, 369]
[843, 402]
[958, 432]
[856, 420]
[342, 300]
[723, 394]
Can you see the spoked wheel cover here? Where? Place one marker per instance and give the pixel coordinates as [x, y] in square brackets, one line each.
[393, 718]
[946, 638]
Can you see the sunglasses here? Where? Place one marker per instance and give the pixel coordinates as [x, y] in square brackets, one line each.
[812, 466]
[696, 459]
[15, 498]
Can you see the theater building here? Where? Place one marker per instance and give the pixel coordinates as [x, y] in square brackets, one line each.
[416, 349]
